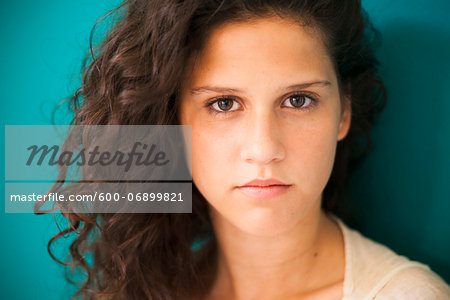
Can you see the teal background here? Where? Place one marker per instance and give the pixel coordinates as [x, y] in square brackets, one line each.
[401, 192]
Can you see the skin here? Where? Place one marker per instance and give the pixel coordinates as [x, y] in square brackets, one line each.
[284, 247]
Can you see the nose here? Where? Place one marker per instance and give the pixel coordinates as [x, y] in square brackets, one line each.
[262, 139]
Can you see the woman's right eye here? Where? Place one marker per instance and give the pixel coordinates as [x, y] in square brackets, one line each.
[222, 105]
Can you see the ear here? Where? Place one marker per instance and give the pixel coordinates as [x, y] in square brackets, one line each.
[346, 116]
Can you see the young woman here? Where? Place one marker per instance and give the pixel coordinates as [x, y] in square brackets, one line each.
[279, 95]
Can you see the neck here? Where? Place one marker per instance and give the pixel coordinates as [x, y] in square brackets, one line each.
[267, 267]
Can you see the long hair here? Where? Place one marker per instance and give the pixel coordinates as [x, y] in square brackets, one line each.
[133, 77]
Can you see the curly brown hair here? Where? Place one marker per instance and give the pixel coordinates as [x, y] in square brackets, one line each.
[133, 78]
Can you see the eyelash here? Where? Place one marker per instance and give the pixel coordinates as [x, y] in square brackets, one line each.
[223, 97]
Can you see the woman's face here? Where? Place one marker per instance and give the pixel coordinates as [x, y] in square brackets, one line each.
[263, 103]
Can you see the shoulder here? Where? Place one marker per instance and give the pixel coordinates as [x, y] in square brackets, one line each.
[374, 271]
[414, 282]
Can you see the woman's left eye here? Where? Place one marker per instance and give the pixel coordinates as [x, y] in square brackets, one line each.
[300, 101]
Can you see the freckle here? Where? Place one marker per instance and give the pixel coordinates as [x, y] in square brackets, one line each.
[315, 254]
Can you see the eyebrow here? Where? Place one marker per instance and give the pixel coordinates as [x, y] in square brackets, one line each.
[206, 89]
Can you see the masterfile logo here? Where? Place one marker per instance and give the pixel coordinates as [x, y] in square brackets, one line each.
[98, 168]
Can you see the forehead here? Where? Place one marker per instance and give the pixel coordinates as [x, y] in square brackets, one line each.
[262, 47]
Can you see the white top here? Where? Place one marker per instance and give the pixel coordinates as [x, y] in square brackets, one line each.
[373, 271]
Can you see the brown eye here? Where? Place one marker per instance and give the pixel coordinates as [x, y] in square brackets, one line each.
[222, 105]
[297, 100]
[300, 101]
[225, 104]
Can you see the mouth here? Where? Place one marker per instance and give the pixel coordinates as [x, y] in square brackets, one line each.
[264, 190]
[264, 182]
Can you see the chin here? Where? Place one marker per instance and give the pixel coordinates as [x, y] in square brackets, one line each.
[265, 222]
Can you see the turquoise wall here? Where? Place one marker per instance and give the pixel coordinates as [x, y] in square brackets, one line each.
[401, 193]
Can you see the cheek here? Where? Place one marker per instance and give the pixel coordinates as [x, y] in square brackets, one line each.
[311, 153]
[211, 158]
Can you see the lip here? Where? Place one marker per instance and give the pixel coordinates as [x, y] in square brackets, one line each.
[264, 189]
[264, 183]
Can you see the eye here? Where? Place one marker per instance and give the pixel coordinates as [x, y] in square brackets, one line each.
[222, 104]
[300, 101]
[225, 104]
